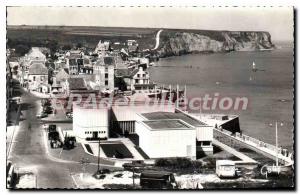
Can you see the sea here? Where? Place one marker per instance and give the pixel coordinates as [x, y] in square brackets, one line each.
[270, 90]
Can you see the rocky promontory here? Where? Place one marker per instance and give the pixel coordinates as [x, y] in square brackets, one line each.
[174, 42]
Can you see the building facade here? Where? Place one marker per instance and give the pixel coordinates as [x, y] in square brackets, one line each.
[104, 74]
[38, 78]
[167, 138]
[90, 123]
[203, 132]
[123, 117]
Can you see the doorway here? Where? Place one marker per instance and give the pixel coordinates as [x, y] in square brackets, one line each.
[95, 135]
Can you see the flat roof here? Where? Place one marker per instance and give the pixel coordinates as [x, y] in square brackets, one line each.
[167, 124]
[171, 115]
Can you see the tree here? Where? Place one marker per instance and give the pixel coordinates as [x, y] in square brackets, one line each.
[79, 45]
[120, 83]
[22, 49]
[66, 47]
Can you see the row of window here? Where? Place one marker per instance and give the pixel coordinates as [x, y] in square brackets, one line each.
[141, 75]
[90, 132]
[41, 78]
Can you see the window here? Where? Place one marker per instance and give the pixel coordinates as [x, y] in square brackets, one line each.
[33, 78]
[106, 75]
[136, 80]
[138, 75]
[206, 143]
[106, 82]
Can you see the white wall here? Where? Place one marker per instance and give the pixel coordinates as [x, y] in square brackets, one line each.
[39, 79]
[204, 133]
[89, 120]
[166, 143]
[99, 71]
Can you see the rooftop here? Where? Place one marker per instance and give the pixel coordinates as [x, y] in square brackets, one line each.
[76, 83]
[106, 60]
[38, 69]
[167, 124]
[171, 115]
[125, 72]
[109, 60]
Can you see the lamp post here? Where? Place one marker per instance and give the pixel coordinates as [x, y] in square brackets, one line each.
[98, 157]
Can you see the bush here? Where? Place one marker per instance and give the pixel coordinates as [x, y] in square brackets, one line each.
[178, 162]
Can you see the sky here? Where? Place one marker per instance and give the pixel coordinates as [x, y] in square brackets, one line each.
[276, 20]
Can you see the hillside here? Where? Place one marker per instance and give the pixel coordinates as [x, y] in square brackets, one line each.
[172, 41]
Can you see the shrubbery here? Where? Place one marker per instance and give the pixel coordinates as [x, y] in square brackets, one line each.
[178, 162]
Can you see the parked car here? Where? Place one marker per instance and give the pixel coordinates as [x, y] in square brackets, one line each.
[55, 144]
[46, 102]
[52, 128]
[47, 110]
[45, 126]
[41, 115]
[10, 174]
[54, 135]
[69, 115]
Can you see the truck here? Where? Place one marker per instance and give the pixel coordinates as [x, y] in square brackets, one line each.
[157, 180]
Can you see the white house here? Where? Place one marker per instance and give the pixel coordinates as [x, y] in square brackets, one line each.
[167, 138]
[137, 80]
[203, 132]
[102, 47]
[38, 78]
[104, 74]
[90, 123]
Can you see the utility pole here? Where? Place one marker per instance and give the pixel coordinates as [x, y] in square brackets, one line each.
[276, 145]
[98, 157]
[133, 176]
[170, 93]
[177, 95]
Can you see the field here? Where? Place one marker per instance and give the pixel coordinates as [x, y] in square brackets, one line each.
[87, 36]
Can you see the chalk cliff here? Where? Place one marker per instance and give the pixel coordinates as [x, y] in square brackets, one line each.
[175, 43]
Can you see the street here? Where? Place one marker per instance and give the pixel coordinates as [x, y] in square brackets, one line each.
[28, 150]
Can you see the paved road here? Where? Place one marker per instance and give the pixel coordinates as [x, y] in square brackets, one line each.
[28, 150]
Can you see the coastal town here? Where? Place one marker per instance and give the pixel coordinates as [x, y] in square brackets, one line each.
[83, 118]
[150, 98]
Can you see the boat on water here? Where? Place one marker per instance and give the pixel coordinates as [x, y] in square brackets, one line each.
[254, 69]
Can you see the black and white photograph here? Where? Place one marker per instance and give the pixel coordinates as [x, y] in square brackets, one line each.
[150, 98]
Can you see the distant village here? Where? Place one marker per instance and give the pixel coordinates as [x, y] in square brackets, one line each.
[101, 70]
